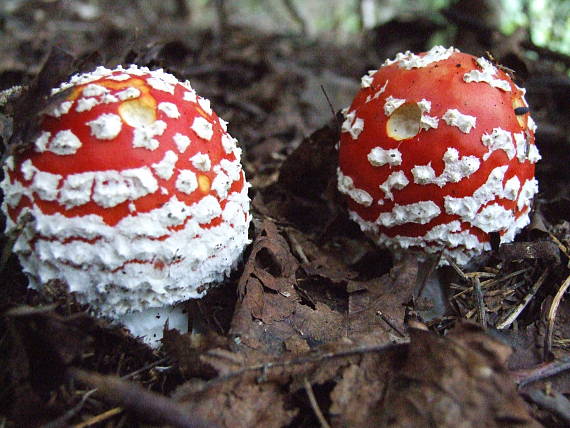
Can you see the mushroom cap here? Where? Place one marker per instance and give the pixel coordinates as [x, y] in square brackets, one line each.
[133, 193]
[437, 151]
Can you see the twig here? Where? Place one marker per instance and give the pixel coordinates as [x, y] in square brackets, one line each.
[554, 402]
[481, 311]
[551, 316]
[329, 102]
[516, 311]
[388, 320]
[145, 368]
[297, 248]
[264, 367]
[543, 371]
[99, 418]
[315, 404]
[147, 405]
[63, 420]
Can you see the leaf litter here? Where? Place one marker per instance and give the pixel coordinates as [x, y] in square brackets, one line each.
[318, 326]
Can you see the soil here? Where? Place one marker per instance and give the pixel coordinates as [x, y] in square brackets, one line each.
[317, 326]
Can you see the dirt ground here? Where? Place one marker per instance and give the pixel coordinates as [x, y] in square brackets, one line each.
[317, 326]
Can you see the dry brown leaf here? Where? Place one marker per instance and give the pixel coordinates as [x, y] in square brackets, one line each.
[378, 306]
[236, 404]
[459, 380]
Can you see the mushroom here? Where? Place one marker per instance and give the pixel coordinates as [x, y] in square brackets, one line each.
[132, 195]
[436, 152]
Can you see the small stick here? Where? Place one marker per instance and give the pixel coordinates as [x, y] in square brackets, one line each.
[513, 315]
[551, 317]
[388, 320]
[149, 406]
[314, 404]
[481, 311]
[62, 421]
[540, 372]
[99, 418]
[331, 106]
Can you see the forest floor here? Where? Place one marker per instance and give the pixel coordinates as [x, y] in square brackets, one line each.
[317, 326]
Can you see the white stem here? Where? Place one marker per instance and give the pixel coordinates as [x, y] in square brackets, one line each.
[149, 324]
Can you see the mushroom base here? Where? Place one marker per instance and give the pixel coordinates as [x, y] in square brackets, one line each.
[148, 325]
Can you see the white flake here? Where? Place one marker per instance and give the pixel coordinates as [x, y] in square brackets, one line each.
[529, 189]
[499, 139]
[427, 122]
[60, 109]
[143, 135]
[418, 212]
[140, 182]
[64, 143]
[223, 124]
[169, 109]
[486, 74]
[367, 79]
[396, 180]
[94, 90]
[533, 154]
[512, 187]
[106, 127]
[380, 157]
[221, 184]
[522, 146]
[190, 96]
[207, 209]
[352, 124]
[203, 128]
[229, 143]
[182, 142]
[28, 169]
[86, 104]
[468, 207]
[408, 60]
[232, 168]
[41, 143]
[464, 122]
[531, 124]
[455, 169]
[205, 105]
[377, 93]
[113, 187]
[201, 161]
[186, 182]
[165, 168]
[45, 185]
[160, 85]
[346, 186]
[494, 218]
[392, 104]
[76, 189]
[128, 94]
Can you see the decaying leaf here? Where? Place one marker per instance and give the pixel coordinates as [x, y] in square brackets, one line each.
[459, 380]
[237, 404]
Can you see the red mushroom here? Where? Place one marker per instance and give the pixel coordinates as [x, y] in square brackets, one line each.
[436, 152]
[134, 197]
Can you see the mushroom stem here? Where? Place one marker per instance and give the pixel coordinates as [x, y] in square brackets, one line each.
[149, 324]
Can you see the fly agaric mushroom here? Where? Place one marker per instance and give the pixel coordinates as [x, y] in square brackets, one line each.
[436, 152]
[133, 195]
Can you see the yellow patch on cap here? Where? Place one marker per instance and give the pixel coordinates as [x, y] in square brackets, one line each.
[204, 183]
